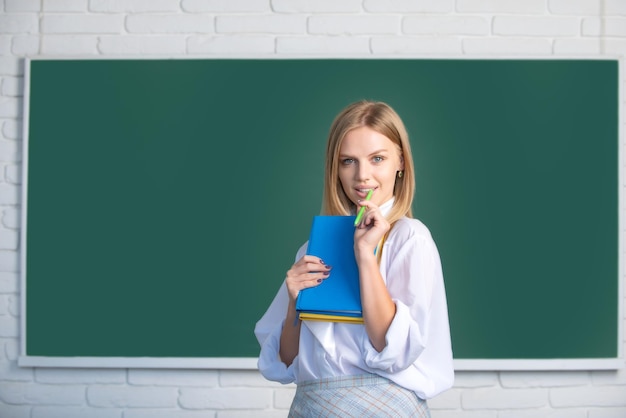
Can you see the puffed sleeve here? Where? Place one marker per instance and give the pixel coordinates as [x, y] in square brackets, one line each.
[267, 332]
[419, 332]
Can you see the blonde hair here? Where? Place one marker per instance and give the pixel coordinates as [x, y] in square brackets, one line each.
[383, 119]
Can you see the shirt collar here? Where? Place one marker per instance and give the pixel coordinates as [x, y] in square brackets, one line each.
[385, 208]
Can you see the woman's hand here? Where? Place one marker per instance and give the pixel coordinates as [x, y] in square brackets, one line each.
[370, 230]
[309, 271]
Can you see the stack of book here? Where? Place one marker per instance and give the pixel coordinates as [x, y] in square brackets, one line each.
[337, 298]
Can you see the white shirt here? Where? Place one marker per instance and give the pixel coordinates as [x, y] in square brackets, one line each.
[418, 354]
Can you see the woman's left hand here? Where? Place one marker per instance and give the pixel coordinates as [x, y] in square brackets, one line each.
[378, 307]
[370, 230]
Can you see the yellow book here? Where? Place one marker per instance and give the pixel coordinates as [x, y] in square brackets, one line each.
[308, 316]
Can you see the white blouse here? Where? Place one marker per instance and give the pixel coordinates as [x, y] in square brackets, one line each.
[418, 354]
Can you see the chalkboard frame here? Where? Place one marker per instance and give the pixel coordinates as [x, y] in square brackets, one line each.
[250, 362]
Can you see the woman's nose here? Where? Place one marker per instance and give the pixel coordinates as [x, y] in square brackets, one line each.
[363, 172]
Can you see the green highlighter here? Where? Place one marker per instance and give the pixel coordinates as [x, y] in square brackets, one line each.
[362, 210]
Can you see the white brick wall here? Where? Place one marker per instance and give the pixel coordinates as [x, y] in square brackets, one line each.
[260, 28]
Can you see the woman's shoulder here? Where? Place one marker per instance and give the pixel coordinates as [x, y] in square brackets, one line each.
[410, 228]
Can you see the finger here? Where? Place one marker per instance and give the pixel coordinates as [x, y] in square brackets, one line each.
[311, 264]
[309, 269]
[308, 272]
[371, 217]
[311, 259]
[368, 204]
[312, 278]
[370, 207]
[300, 283]
[320, 276]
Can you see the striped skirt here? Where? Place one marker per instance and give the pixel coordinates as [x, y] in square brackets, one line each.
[356, 396]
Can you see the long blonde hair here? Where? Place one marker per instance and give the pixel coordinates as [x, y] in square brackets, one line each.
[383, 119]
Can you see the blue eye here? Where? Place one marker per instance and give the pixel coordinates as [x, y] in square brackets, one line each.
[347, 161]
[378, 159]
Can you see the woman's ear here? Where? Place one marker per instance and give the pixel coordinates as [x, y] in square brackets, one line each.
[401, 163]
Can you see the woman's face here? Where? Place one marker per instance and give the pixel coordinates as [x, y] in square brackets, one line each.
[368, 160]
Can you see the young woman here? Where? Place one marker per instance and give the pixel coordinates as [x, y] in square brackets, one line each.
[401, 355]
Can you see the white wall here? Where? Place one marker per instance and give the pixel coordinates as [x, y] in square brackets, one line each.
[259, 28]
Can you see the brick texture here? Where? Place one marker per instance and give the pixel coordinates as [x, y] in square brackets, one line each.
[99, 29]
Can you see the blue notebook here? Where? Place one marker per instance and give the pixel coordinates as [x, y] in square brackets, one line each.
[337, 298]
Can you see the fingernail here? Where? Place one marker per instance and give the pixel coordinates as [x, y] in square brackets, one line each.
[322, 261]
[329, 267]
[319, 280]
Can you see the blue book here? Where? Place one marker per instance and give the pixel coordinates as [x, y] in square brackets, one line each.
[337, 298]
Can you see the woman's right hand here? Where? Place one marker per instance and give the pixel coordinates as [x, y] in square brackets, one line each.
[307, 272]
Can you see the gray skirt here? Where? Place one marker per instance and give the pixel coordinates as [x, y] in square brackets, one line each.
[360, 396]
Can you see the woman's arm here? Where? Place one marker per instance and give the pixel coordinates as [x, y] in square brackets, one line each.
[419, 332]
[378, 307]
[309, 271]
[290, 336]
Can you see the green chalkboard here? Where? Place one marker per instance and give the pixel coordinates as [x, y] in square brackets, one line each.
[164, 200]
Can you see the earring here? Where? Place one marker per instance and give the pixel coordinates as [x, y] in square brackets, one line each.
[400, 174]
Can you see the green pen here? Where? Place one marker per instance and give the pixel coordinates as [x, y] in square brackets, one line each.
[362, 210]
